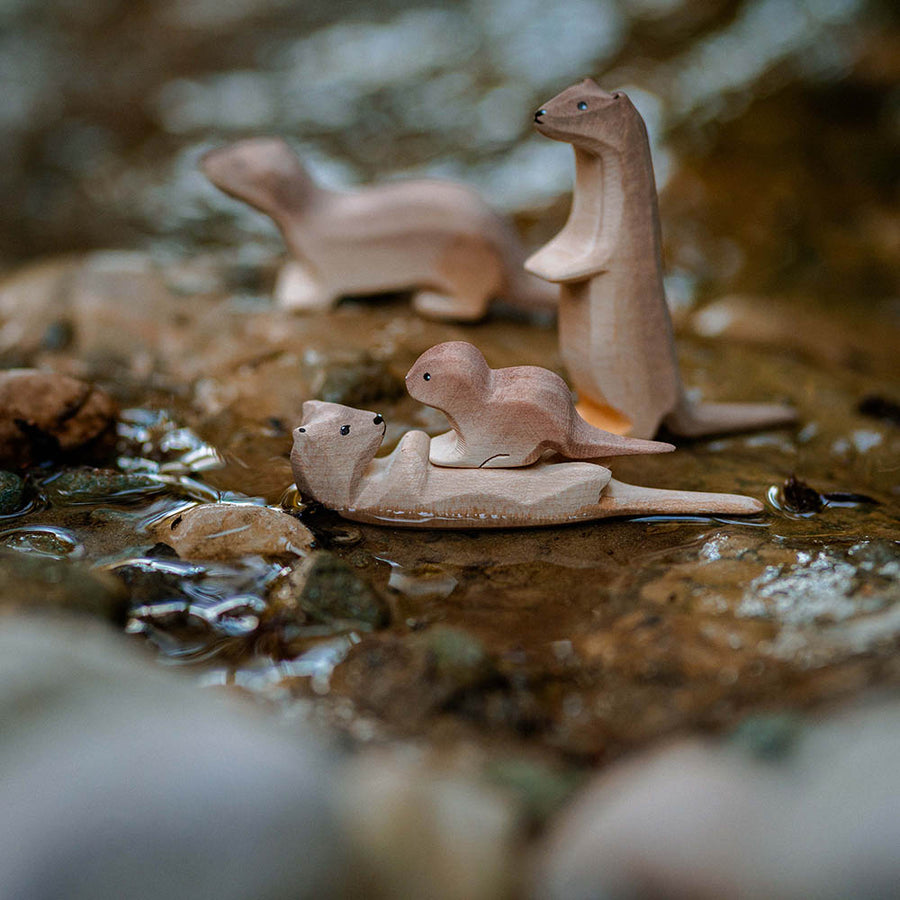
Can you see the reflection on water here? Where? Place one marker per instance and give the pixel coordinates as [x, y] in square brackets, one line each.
[42, 540]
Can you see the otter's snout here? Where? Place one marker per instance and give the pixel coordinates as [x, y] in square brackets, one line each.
[538, 114]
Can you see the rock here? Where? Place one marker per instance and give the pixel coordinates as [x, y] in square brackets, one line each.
[326, 589]
[408, 678]
[12, 491]
[426, 833]
[454, 657]
[539, 789]
[46, 416]
[230, 530]
[73, 487]
[769, 737]
[123, 780]
[698, 821]
[361, 383]
[41, 583]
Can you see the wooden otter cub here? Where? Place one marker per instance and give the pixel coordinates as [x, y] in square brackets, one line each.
[437, 238]
[504, 418]
[334, 462]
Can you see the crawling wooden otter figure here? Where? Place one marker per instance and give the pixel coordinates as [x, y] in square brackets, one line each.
[615, 333]
[437, 238]
[334, 462]
[503, 418]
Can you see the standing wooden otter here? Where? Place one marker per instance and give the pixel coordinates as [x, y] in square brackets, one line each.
[437, 238]
[614, 327]
[333, 461]
[503, 418]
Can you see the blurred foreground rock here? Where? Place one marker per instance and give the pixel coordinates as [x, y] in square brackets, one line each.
[696, 821]
[45, 416]
[120, 781]
[36, 583]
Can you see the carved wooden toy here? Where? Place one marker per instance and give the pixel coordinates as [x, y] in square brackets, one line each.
[437, 238]
[334, 462]
[503, 418]
[614, 327]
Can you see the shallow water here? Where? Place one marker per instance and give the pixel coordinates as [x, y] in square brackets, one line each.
[776, 152]
[590, 639]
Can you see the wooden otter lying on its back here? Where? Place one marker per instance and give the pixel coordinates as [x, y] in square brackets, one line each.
[506, 417]
[437, 238]
[334, 462]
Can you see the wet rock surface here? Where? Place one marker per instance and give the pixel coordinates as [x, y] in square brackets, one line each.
[229, 531]
[45, 416]
[12, 491]
[324, 588]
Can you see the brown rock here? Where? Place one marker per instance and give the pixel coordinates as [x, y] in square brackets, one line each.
[229, 530]
[44, 416]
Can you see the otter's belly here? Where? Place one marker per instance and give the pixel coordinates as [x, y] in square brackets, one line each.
[615, 340]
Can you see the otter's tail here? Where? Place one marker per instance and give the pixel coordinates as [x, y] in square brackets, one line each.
[620, 499]
[589, 442]
[701, 419]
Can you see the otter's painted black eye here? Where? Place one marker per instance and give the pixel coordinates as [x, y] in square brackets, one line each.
[345, 429]
[427, 376]
[582, 105]
[377, 420]
[302, 430]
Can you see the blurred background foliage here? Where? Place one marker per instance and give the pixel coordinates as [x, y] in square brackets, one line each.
[775, 123]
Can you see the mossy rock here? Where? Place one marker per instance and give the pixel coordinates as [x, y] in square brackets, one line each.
[327, 590]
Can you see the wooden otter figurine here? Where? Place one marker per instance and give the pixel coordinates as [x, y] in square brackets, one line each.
[503, 418]
[614, 328]
[437, 238]
[334, 462]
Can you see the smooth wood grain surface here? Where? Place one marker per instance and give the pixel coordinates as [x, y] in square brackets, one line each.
[334, 463]
[504, 418]
[615, 331]
[436, 238]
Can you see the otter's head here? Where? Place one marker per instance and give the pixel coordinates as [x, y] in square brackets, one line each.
[263, 172]
[448, 375]
[333, 445]
[586, 116]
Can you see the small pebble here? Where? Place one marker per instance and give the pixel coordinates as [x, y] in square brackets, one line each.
[231, 530]
[12, 490]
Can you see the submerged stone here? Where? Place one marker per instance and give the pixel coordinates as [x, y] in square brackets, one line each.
[86, 485]
[231, 530]
[361, 383]
[327, 590]
[455, 657]
[12, 490]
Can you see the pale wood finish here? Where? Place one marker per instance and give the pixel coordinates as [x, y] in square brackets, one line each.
[334, 462]
[504, 418]
[437, 238]
[614, 326]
